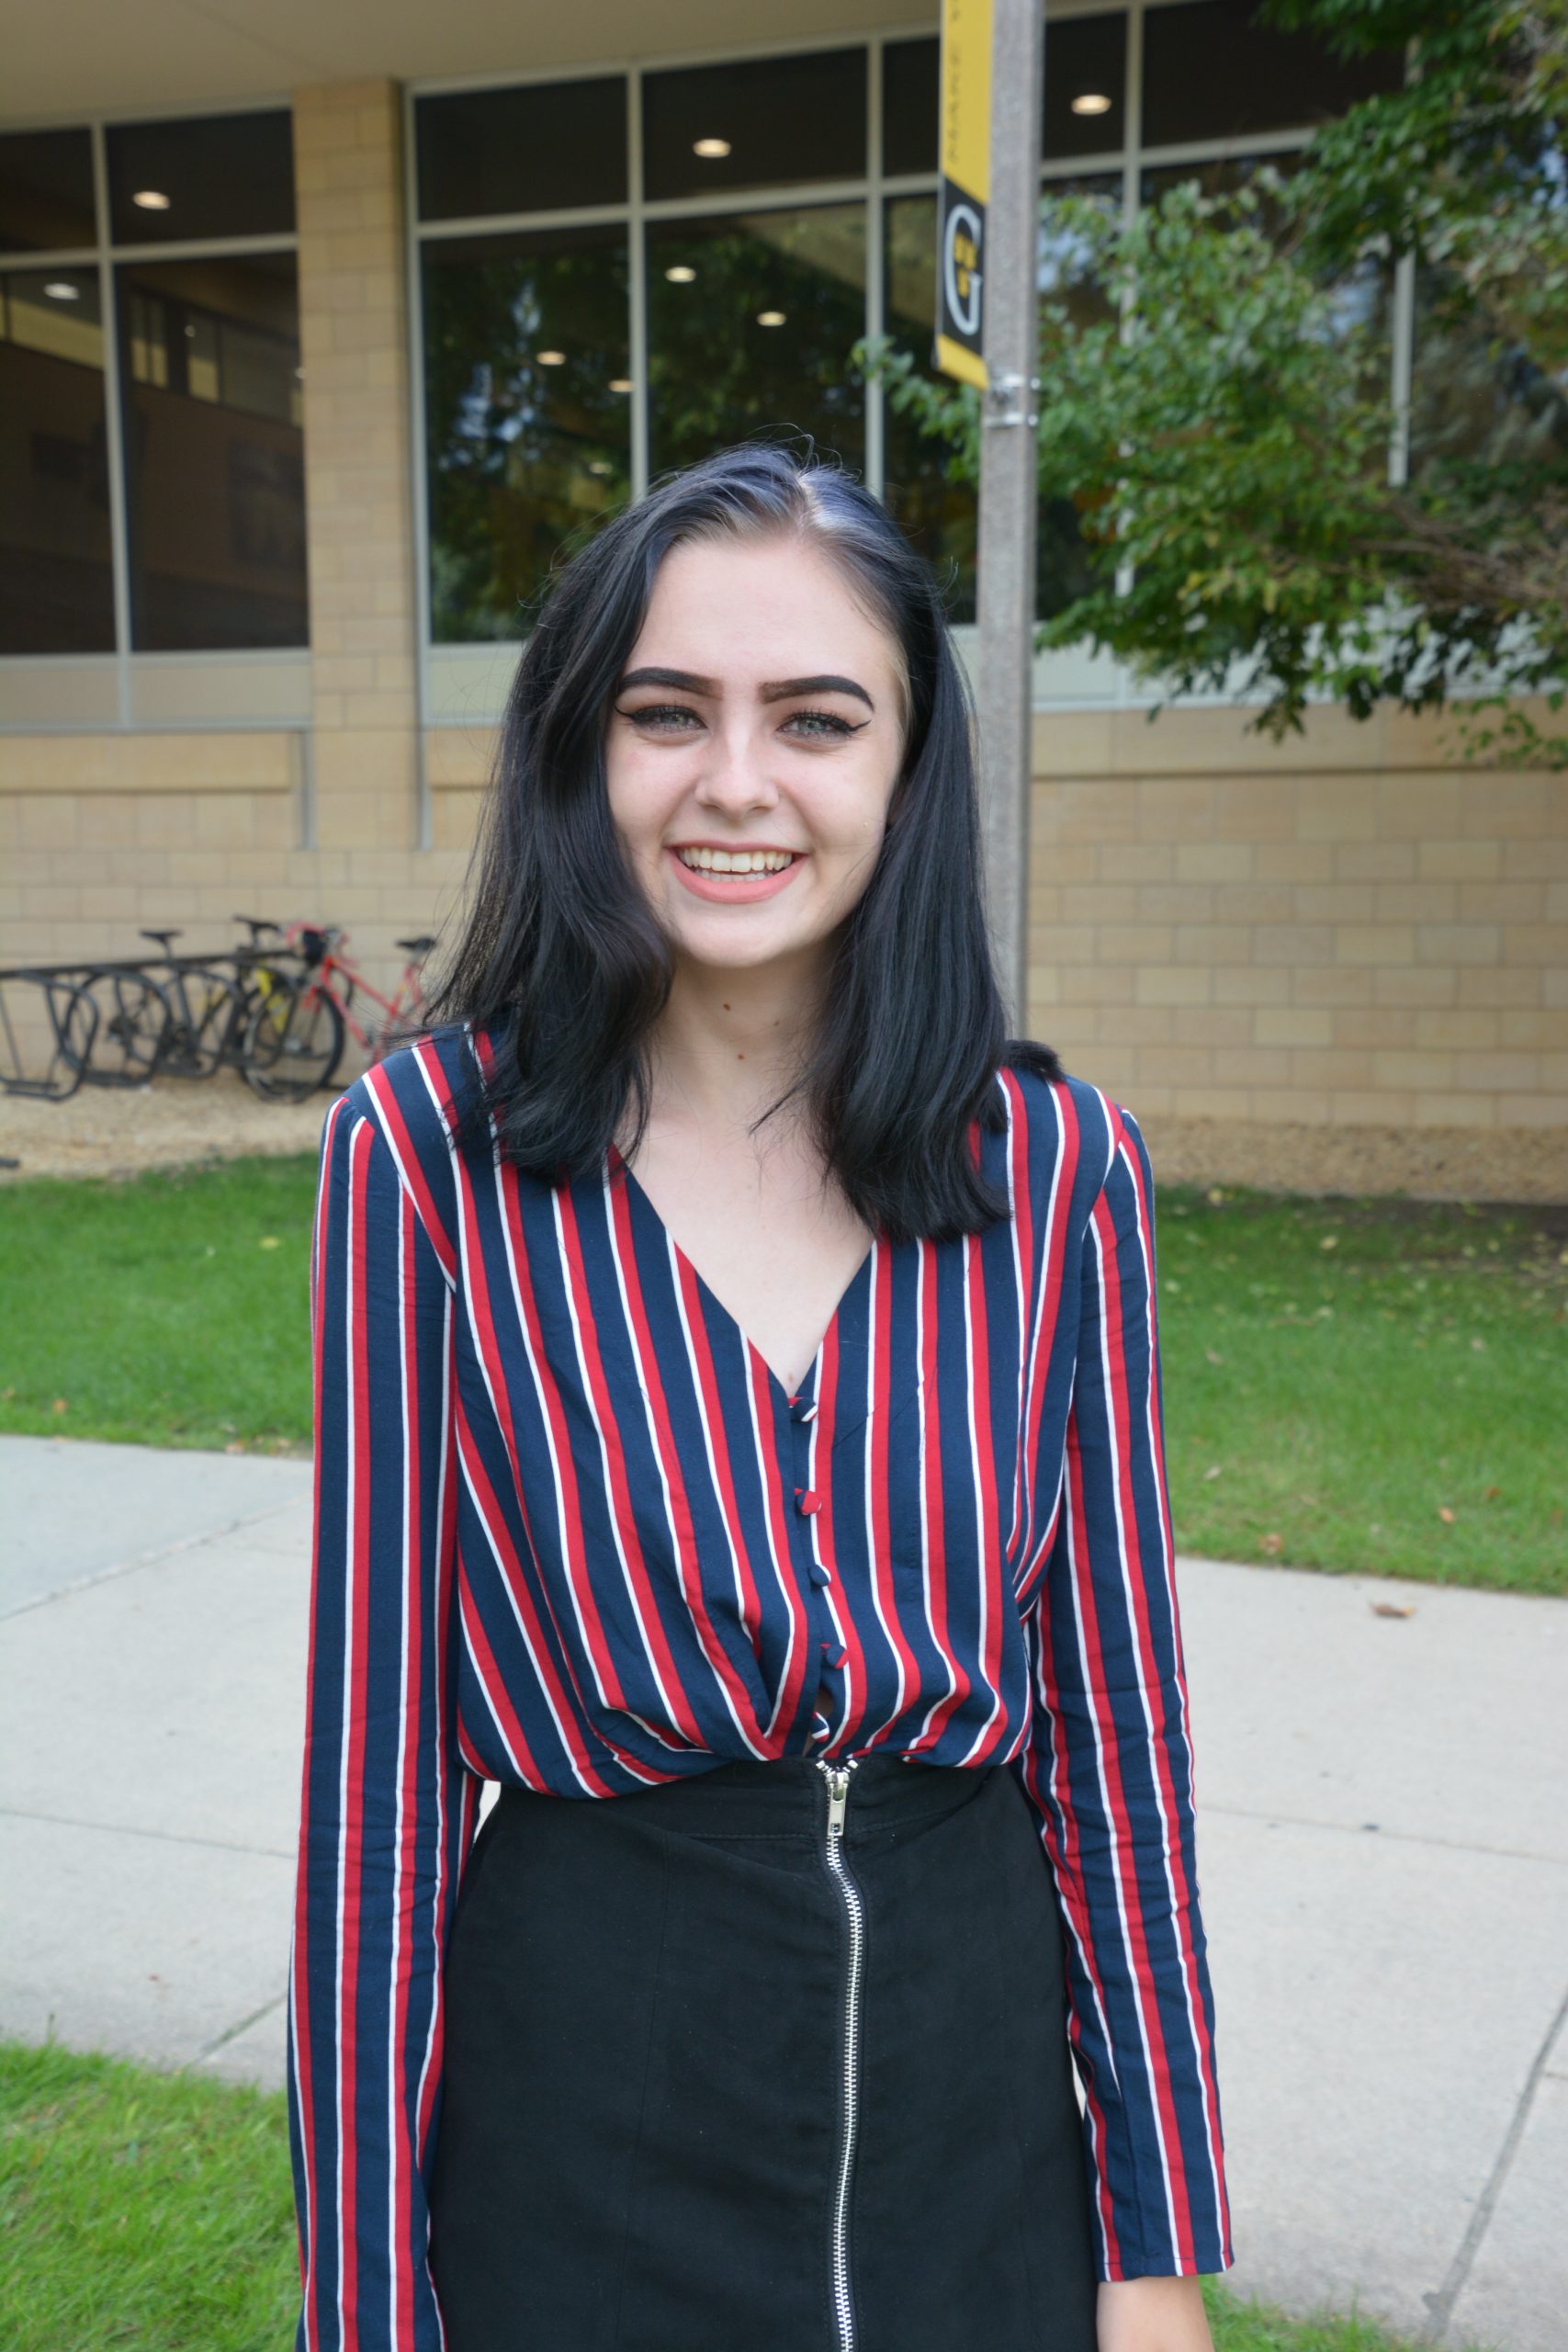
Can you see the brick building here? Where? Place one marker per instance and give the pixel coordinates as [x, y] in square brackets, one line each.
[315, 347]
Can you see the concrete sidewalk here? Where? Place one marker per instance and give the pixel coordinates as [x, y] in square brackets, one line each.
[1383, 1846]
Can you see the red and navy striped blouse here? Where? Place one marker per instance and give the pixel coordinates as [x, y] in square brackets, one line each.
[572, 1533]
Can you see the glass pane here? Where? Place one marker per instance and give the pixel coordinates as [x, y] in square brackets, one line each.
[773, 122]
[542, 148]
[46, 191]
[1209, 71]
[56, 587]
[910, 70]
[938, 513]
[227, 175]
[1086, 79]
[1085, 63]
[528, 415]
[751, 322]
[214, 456]
[1473, 399]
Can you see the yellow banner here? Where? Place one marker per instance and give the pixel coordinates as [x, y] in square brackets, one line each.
[966, 165]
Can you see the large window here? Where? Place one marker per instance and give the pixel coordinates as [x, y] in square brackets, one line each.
[527, 413]
[152, 465]
[621, 273]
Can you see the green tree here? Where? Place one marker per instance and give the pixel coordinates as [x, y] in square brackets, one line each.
[1227, 434]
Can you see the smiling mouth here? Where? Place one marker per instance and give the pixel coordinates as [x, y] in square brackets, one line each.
[744, 863]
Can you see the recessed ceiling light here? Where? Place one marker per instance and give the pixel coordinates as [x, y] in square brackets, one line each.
[710, 148]
[680, 275]
[1091, 102]
[599, 465]
[550, 358]
[151, 199]
[620, 384]
[60, 289]
[770, 318]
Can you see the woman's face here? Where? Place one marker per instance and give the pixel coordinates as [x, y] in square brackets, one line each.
[758, 712]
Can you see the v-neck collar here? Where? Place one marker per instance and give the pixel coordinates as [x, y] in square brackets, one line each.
[615, 1158]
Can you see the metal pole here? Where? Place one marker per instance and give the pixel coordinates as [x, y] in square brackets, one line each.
[1006, 587]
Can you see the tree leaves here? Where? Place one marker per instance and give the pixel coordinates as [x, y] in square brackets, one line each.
[1225, 433]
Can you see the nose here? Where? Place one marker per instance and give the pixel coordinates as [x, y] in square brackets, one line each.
[735, 775]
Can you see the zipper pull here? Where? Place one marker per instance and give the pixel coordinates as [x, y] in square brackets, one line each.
[838, 1778]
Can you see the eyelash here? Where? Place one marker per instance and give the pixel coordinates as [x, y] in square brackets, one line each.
[829, 722]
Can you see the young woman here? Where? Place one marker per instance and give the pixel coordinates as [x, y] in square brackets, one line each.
[738, 1435]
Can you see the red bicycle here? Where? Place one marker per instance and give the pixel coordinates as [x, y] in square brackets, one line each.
[299, 1030]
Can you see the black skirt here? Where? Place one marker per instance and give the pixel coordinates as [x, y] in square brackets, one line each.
[718, 2080]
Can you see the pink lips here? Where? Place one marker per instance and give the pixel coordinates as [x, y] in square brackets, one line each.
[734, 889]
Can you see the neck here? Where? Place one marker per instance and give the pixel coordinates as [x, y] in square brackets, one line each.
[728, 1043]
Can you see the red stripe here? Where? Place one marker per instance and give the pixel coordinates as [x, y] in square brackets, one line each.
[1047, 1314]
[1064, 1848]
[1140, 1582]
[935, 1530]
[309, 2246]
[623, 1512]
[880, 1535]
[519, 1586]
[844, 1627]
[356, 1700]
[495, 1691]
[1116, 1377]
[689, 1567]
[990, 1565]
[408, 1855]
[558, 1420]
[404, 1150]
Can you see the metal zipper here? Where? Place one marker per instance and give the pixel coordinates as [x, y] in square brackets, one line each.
[837, 1775]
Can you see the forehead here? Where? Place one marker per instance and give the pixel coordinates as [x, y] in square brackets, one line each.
[777, 607]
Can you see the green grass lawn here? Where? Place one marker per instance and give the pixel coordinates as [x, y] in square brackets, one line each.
[150, 2212]
[1349, 1384]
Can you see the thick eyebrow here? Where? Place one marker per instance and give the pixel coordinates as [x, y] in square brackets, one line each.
[776, 690]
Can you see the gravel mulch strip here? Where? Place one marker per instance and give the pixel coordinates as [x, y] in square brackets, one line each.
[116, 1131]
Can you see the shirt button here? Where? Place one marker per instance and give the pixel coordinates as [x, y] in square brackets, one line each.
[807, 1499]
[833, 1654]
[820, 1575]
[821, 1727]
[806, 1413]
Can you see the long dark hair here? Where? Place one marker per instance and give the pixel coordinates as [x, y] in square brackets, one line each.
[560, 958]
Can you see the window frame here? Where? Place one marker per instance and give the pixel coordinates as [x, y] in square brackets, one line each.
[291, 688]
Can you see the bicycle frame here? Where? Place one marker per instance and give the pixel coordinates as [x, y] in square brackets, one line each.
[337, 976]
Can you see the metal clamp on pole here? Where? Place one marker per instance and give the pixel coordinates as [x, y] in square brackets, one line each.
[1001, 401]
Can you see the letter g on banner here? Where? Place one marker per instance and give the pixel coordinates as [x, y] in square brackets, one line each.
[963, 232]
[965, 142]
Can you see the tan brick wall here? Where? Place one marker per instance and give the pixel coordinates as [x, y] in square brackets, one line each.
[1351, 932]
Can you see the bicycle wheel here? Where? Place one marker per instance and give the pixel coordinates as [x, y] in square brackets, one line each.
[206, 1000]
[293, 1044]
[128, 1045]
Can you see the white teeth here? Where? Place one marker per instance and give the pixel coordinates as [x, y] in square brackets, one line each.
[724, 861]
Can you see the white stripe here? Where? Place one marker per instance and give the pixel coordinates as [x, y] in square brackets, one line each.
[950, 1663]
[678, 1551]
[978, 1447]
[1107, 1404]
[1168, 1565]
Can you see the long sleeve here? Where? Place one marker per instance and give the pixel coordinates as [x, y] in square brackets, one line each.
[1109, 1768]
[388, 1810]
